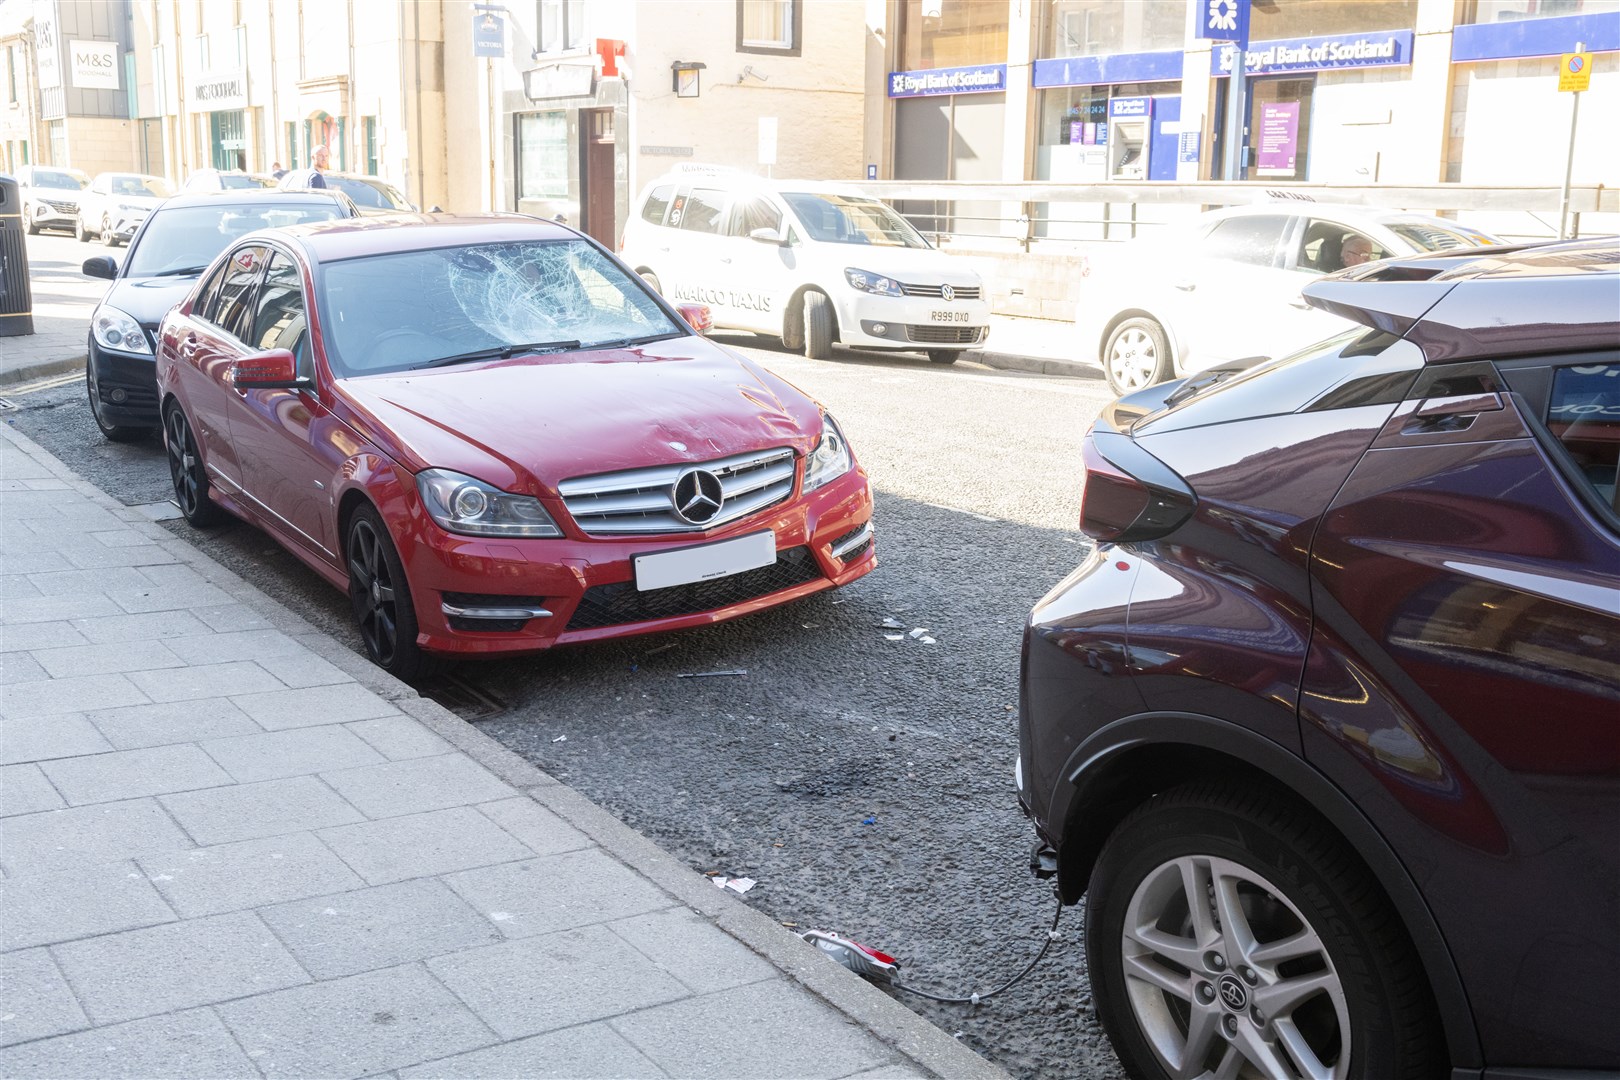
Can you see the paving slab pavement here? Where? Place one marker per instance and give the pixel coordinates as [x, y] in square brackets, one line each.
[230, 847]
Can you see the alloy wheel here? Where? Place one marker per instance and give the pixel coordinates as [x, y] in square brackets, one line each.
[372, 590]
[1228, 980]
[185, 467]
[1133, 359]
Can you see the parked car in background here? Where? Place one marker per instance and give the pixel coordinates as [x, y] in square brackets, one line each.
[1227, 285]
[174, 246]
[496, 439]
[224, 180]
[371, 194]
[115, 204]
[50, 196]
[809, 263]
[1327, 727]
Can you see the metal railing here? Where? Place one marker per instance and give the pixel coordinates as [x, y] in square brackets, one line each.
[1029, 213]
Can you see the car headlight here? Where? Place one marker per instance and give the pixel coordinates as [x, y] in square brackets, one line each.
[461, 504]
[866, 281]
[829, 460]
[114, 329]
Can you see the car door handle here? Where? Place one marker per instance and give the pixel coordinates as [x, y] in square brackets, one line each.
[1438, 416]
[1186, 286]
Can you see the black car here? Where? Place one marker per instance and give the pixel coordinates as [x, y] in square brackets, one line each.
[174, 245]
[1327, 727]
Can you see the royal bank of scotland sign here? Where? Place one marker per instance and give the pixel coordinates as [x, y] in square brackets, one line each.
[983, 79]
[1224, 20]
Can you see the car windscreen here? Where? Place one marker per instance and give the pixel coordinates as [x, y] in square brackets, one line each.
[1426, 237]
[846, 219]
[364, 194]
[154, 187]
[49, 178]
[447, 305]
[178, 240]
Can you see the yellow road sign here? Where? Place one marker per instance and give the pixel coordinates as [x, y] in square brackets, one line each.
[1575, 72]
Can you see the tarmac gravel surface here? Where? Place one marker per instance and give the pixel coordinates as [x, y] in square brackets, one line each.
[865, 784]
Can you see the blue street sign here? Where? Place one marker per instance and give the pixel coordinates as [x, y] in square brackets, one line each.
[489, 35]
[1224, 20]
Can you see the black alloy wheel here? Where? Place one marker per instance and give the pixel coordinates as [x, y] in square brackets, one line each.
[114, 432]
[381, 598]
[187, 472]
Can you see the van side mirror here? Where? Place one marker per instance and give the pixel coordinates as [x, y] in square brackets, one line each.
[768, 236]
[100, 266]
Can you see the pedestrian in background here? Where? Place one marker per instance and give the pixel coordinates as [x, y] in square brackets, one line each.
[276, 171]
[320, 160]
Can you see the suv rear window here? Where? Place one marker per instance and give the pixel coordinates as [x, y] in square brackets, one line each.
[657, 203]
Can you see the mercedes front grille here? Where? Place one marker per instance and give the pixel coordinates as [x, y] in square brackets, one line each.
[641, 501]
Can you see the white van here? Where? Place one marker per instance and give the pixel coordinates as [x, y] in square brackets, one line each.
[810, 262]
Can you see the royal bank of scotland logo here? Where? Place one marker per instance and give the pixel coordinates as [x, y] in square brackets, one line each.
[1223, 15]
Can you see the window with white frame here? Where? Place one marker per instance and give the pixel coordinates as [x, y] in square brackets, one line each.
[560, 25]
[768, 26]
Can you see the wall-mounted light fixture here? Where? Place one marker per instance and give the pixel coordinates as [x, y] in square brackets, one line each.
[685, 74]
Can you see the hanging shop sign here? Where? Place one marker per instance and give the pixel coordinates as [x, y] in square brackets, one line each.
[569, 80]
[489, 35]
[220, 92]
[47, 50]
[93, 65]
[1382, 48]
[983, 79]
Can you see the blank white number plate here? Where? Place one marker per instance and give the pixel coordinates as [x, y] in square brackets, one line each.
[705, 562]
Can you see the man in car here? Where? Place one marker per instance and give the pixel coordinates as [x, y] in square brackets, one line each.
[1357, 250]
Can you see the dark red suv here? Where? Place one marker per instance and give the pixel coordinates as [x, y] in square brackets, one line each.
[1327, 727]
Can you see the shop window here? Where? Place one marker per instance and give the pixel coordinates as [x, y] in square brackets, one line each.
[561, 25]
[1101, 27]
[1251, 240]
[542, 154]
[11, 74]
[1271, 20]
[370, 123]
[1279, 129]
[769, 26]
[293, 157]
[952, 33]
[1496, 11]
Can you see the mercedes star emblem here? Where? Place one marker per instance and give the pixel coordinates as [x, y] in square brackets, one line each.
[947, 292]
[697, 496]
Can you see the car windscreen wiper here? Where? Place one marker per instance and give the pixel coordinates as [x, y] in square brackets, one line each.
[181, 271]
[502, 352]
[624, 342]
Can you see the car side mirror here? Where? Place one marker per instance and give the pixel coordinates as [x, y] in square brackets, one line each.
[697, 316]
[276, 369]
[101, 266]
[767, 236]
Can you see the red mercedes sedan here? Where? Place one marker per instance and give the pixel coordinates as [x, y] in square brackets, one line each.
[497, 439]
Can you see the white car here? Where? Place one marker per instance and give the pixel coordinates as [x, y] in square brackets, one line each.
[811, 263]
[50, 196]
[115, 204]
[1227, 286]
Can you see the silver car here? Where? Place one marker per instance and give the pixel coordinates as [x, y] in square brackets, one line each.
[1226, 286]
[50, 196]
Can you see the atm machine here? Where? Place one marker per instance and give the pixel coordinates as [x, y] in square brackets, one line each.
[1130, 137]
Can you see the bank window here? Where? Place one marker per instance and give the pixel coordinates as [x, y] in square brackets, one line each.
[768, 26]
[657, 203]
[1099, 27]
[1495, 11]
[542, 154]
[752, 214]
[952, 33]
[1250, 239]
[703, 211]
[561, 25]
[1311, 18]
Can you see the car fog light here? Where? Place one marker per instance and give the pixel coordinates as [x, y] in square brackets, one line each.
[879, 329]
[119, 396]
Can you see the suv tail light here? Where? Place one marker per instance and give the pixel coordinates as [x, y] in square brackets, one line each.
[1129, 493]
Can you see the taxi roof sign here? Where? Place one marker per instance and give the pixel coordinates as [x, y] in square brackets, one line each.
[1574, 72]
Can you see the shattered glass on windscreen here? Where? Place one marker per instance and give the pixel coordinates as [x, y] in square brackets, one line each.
[390, 312]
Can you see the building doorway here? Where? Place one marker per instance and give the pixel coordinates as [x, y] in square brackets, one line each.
[227, 132]
[596, 175]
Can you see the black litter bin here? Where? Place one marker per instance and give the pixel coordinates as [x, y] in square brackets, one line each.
[16, 298]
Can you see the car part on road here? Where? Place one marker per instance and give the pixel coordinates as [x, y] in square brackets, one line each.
[1137, 355]
[818, 326]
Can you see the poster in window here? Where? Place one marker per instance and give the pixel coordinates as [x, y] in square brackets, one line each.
[1279, 139]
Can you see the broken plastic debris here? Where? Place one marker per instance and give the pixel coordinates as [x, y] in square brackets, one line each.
[894, 637]
[560, 738]
[891, 623]
[737, 885]
[500, 916]
[835, 603]
[869, 820]
[926, 640]
[919, 632]
[709, 674]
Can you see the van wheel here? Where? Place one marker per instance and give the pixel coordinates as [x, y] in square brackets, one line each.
[818, 326]
[1137, 355]
[1228, 931]
[944, 356]
[652, 282]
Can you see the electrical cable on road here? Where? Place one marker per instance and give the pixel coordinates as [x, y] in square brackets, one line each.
[881, 968]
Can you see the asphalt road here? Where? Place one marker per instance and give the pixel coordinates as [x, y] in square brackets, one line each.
[866, 784]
